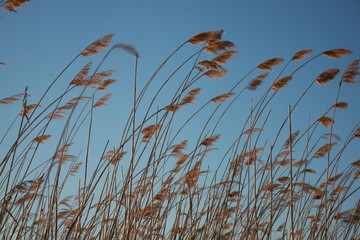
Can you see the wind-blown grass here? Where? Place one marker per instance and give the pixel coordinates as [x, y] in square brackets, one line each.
[155, 185]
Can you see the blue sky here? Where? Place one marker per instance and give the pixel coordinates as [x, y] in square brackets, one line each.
[38, 41]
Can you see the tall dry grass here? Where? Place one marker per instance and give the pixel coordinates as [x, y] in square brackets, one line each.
[154, 184]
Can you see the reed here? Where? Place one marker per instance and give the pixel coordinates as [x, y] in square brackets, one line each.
[157, 184]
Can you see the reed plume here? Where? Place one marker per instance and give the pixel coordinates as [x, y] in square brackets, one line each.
[340, 105]
[280, 183]
[253, 85]
[337, 53]
[224, 57]
[351, 72]
[282, 82]
[13, 5]
[12, 99]
[323, 150]
[327, 76]
[97, 46]
[128, 48]
[269, 64]
[300, 55]
[42, 138]
[325, 121]
[102, 101]
[206, 36]
[209, 141]
[221, 98]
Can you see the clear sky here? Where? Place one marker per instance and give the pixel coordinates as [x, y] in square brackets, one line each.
[39, 40]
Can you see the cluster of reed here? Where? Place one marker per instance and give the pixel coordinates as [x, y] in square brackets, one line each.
[155, 185]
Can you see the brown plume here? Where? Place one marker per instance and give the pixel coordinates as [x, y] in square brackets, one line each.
[325, 121]
[12, 5]
[12, 99]
[268, 64]
[222, 97]
[351, 72]
[209, 141]
[79, 79]
[41, 138]
[97, 46]
[206, 36]
[102, 101]
[337, 53]
[327, 76]
[253, 85]
[224, 57]
[300, 55]
[282, 82]
[321, 152]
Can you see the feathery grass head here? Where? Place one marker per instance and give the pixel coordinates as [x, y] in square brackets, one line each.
[300, 55]
[352, 71]
[325, 121]
[269, 64]
[282, 82]
[224, 57]
[102, 101]
[79, 79]
[340, 105]
[149, 131]
[10, 100]
[337, 53]
[13, 5]
[215, 73]
[209, 141]
[327, 76]
[221, 98]
[42, 138]
[206, 36]
[127, 48]
[214, 47]
[253, 85]
[97, 46]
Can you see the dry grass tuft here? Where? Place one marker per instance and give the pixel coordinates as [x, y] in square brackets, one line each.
[340, 105]
[352, 71]
[209, 141]
[269, 64]
[79, 79]
[102, 101]
[221, 98]
[282, 82]
[215, 73]
[41, 138]
[337, 53]
[13, 5]
[97, 46]
[12, 99]
[149, 132]
[327, 76]
[214, 47]
[128, 48]
[323, 150]
[224, 57]
[206, 36]
[253, 85]
[300, 55]
[325, 121]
